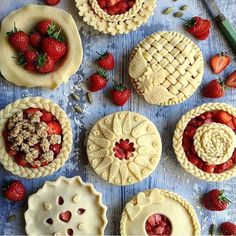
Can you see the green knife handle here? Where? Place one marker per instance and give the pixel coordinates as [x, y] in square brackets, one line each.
[228, 30]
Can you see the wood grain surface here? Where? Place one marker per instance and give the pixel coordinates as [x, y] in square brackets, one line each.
[168, 175]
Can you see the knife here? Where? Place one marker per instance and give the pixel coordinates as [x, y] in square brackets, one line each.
[223, 23]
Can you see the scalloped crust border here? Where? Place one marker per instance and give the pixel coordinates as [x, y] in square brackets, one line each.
[173, 196]
[36, 102]
[69, 180]
[172, 101]
[178, 147]
[121, 24]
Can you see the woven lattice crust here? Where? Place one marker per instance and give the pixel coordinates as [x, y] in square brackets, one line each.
[41, 206]
[178, 147]
[37, 102]
[26, 18]
[166, 68]
[168, 194]
[94, 16]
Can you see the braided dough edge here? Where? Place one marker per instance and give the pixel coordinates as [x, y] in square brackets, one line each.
[178, 147]
[36, 102]
[172, 195]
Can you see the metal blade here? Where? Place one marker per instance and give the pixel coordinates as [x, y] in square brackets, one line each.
[213, 7]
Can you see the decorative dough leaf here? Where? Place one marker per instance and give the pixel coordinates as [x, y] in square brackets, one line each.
[138, 65]
[114, 168]
[135, 170]
[106, 162]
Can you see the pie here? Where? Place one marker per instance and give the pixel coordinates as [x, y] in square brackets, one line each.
[26, 18]
[205, 142]
[36, 137]
[159, 212]
[66, 207]
[112, 22]
[166, 68]
[124, 148]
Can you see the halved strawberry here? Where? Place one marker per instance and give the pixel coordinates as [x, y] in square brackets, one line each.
[46, 116]
[219, 62]
[231, 80]
[223, 117]
[54, 128]
[56, 148]
[31, 110]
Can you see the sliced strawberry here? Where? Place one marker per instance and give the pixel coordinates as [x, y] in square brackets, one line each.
[56, 148]
[231, 80]
[194, 159]
[224, 166]
[31, 110]
[54, 128]
[102, 3]
[21, 161]
[46, 116]
[223, 117]
[205, 28]
[11, 151]
[187, 143]
[219, 62]
[112, 2]
[209, 168]
[131, 3]
[231, 125]
[203, 36]
[44, 163]
[233, 158]
[190, 131]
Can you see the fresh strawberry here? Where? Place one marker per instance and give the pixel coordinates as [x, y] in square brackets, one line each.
[15, 191]
[219, 62]
[46, 117]
[52, 2]
[54, 128]
[56, 148]
[19, 159]
[46, 27]
[97, 81]
[30, 56]
[209, 168]
[231, 80]
[215, 200]
[54, 48]
[35, 40]
[18, 39]
[106, 61]
[224, 166]
[223, 117]
[215, 89]
[228, 228]
[45, 63]
[31, 110]
[120, 95]
[203, 36]
[30, 67]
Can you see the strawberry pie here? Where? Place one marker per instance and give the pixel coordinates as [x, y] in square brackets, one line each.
[205, 142]
[151, 213]
[124, 148]
[37, 137]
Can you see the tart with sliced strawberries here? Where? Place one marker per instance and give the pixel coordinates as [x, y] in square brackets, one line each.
[37, 137]
[205, 142]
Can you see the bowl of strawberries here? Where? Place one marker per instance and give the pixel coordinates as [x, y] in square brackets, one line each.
[40, 45]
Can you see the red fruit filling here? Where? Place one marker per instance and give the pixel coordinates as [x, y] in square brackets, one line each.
[124, 149]
[190, 130]
[158, 225]
[33, 137]
[116, 7]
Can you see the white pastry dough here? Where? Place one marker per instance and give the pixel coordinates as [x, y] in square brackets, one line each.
[26, 18]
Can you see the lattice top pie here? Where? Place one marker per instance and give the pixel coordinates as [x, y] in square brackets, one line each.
[124, 148]
[159, 212]
[66, 207]
[166, 68]
[96, 17]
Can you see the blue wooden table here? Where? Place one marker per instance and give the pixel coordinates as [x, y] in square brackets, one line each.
[169, 174]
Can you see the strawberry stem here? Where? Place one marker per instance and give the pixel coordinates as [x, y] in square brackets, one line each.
[223, 198]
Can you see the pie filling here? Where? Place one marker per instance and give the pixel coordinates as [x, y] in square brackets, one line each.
[116, 7]
[33, 137]
[158, 225]
[214, 144]
[124, 149]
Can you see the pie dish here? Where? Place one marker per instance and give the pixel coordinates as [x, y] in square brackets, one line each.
[66, 207]
[159, 212]
[124, 148]
[25, 19]
[28, 160]
[96, 17]
[204, 142]
[166, 68]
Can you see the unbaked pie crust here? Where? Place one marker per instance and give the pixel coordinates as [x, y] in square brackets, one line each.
[94, 16]
[26, 18]
[124, 125]
[75, 195]
[166, 68]
[36, 102]
[219, 136]
[181, 214]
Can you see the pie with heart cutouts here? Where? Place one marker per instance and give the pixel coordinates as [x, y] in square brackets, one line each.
[124, 148]
[66, 207]
[205, 142]
[159, 212]
[166, 68]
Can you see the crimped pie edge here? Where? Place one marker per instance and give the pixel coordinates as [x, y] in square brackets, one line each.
[59, 161]
[178, 147]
